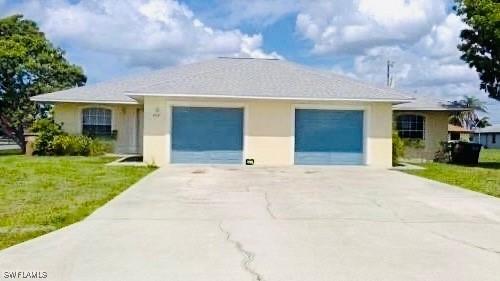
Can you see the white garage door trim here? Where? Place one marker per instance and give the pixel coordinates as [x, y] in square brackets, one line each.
[171, 104]
[366, 124]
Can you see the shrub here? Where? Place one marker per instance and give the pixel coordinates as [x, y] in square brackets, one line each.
[398, 148]
[72, 145]
[51, 140]
[78, 145]
[443, 155]
[47, 129]
[414, 143]
[100, 147]
[106, 145]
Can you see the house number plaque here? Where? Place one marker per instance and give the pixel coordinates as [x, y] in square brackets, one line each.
[156, 114]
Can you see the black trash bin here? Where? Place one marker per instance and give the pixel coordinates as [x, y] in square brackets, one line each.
[465, 153]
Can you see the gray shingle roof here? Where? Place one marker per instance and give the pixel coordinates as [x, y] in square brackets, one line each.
[426, 104]
[235, 78]
[105, 92]
[495, 128]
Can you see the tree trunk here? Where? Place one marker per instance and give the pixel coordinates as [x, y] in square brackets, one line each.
[20, 140]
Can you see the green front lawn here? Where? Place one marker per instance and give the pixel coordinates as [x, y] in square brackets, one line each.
[484, 178]
[42, 194]
[9, 151]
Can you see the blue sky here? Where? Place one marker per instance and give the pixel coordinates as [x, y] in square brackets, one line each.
[111, 38]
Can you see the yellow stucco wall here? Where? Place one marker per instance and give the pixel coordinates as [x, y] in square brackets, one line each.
[268, 129]
[156, 131]
[268, 135]
[436, 131]
[124, 120]
[380, 135]
[465, 136]
[461, 136]
[68, 115]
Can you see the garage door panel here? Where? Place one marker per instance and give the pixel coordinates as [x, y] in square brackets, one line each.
[207, 157]
[328, 137]
[207, 135]
[328, 158]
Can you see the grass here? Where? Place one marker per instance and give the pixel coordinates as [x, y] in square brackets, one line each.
[484, 178]
[42, 194]
[10, 151]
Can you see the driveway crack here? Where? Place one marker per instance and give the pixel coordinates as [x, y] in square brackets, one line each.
[465, 243]
[436, 233]
[248, 256]
[268, 206]
[393, 212]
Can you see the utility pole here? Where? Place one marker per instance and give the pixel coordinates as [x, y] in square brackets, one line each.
[390, 64]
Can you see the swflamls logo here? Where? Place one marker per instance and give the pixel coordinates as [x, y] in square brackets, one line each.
[24, 275]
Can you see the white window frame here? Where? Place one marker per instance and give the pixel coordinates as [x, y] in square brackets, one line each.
[424, 125]
[84, 109]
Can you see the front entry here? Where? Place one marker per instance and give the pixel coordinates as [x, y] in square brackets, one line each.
[207, 135]
[328, 137]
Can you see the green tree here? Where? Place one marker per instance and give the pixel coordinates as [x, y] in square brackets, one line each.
[483, 122]
[29, 65]
[398, 148]
[469, 118]
[480, 44]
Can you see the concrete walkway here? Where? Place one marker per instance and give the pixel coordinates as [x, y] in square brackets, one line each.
[285, 224]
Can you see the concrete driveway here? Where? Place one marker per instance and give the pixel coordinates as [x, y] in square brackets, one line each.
[299, 223]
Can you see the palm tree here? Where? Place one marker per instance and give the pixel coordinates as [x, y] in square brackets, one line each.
[468, 118]
[483, 122]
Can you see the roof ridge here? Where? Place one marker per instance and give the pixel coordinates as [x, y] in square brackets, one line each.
[246, 58]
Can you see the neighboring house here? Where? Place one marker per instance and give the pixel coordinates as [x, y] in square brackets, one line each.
[458, 133]
[489, 137]
[424, 124]
[228, 110]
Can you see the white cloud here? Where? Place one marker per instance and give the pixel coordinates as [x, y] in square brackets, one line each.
[421, 76]
[352, 27]
[411, 69]
[442, 40]
[421, 36]
[137, 33]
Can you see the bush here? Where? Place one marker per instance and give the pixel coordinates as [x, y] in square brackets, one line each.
[78, 145]
[398, 148]
[47, 129]
[51, 140]
[443, 155]
[414, 143]
[106, 145]
[71, 145]
[100, 147]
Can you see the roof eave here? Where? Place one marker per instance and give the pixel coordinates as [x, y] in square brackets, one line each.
[140, 96]
[486, 132]
[52, 100]
[428, 109]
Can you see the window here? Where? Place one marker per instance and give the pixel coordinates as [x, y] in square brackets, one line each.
[493, 138]
[411, 126]
[96, 122]
[454, 136]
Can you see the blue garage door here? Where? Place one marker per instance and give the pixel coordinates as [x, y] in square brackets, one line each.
[207, 135]
[328, 137]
